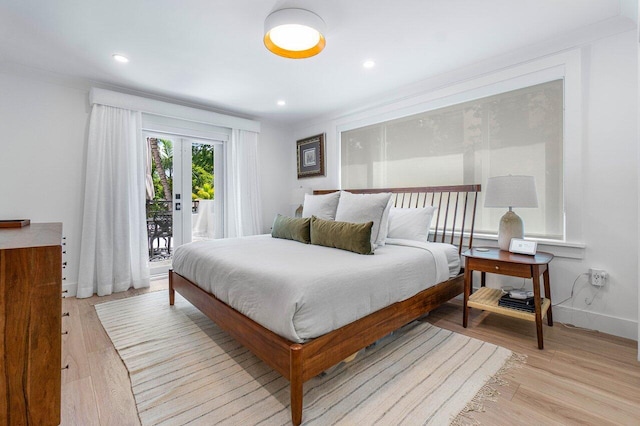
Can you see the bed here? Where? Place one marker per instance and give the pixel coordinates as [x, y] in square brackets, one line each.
[302, 348]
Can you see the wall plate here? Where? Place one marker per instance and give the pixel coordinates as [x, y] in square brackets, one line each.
[523, 247]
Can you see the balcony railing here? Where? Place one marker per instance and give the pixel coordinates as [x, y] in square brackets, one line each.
[159, 229]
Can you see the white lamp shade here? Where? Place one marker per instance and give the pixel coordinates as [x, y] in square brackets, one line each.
[511, 191]
[294, 33]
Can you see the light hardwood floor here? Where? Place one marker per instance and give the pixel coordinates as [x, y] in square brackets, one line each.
[581, 377]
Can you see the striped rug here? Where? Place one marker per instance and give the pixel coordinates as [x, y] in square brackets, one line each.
[185, 370]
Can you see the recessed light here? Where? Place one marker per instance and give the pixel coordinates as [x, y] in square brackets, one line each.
[281, 103]
[368, 64]
[120, 58]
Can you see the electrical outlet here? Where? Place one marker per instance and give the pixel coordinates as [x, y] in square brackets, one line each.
[597, 277]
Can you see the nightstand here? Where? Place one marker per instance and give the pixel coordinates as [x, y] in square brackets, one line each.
[501, 262]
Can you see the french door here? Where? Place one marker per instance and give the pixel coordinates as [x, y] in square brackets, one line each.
[187, 200]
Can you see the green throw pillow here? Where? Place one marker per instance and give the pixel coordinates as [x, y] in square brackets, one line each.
[290, 228]
[355, 237]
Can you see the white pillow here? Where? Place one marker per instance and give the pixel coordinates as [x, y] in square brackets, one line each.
[384, 225]
[322, 206]
[411, 224]
[362, 208]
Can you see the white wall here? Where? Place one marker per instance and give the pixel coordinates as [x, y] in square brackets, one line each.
[43, 129]
[275, 171]
[43, 126]
[604, 171]
[610, 186]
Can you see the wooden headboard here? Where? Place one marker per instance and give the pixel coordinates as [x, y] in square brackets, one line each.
[456, 208]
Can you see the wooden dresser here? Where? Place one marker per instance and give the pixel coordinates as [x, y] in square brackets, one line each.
[30, 323]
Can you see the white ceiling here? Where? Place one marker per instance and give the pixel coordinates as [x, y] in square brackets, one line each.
[210, 52]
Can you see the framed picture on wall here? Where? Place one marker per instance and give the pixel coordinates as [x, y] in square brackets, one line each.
[310, 154]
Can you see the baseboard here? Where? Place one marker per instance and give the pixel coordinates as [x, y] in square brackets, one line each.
[70, 288]
[158, 277]
[595, 321]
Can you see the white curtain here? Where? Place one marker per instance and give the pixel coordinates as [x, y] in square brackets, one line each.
[242, 206]
[113, 253]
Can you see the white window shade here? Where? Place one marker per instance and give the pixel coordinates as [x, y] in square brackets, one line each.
[519, 132]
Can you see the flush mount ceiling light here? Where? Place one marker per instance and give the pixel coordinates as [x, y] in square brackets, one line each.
[294, 33]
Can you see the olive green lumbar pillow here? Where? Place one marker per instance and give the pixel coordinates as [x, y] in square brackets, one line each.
[355, 237]
[290, 228]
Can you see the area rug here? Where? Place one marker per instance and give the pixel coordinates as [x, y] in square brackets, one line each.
[185, 370]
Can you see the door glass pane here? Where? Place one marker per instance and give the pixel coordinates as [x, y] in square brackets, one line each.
[159, 204]
[203, 191]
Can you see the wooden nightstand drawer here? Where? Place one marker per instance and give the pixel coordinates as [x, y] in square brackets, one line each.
[498, 267]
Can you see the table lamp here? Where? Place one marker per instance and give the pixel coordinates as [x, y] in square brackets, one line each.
[510, 191]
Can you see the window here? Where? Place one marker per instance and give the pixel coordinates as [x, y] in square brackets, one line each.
[518, 132]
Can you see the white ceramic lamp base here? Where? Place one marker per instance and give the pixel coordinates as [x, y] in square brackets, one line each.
[510, 227]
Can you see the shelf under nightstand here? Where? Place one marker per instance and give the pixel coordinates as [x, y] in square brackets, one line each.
[487, 299]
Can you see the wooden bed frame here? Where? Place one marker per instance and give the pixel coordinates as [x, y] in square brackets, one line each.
[299, 362]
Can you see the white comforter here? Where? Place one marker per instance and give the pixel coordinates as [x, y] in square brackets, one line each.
[301, 291]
